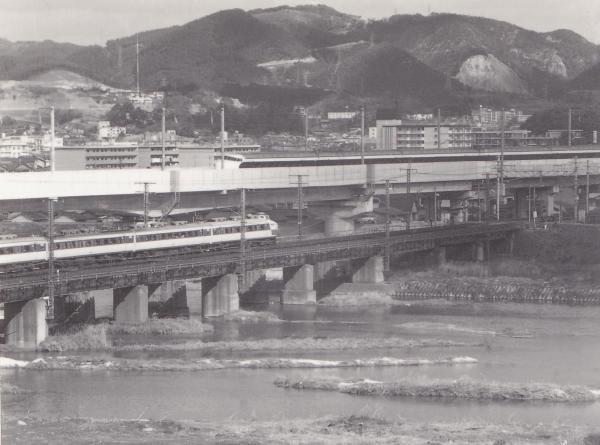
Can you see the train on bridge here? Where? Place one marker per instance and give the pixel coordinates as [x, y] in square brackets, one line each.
[217, 234]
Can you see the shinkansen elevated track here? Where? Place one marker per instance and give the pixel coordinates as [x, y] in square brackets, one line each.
[123, 273]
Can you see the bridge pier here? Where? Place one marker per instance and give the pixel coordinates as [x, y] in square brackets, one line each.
[339, 216]
[25, 323]
[440, 253]
[368, 270]
[130, 304]
[479, 252]
[170, 297]
[298, 285]
[220, 295]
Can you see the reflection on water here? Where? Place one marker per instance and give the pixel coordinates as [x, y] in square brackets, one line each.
[519, 343]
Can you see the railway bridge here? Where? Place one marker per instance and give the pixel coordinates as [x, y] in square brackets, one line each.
[210, 284]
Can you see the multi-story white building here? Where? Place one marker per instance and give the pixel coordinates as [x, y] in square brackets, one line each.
[395, 135]
[490, 117]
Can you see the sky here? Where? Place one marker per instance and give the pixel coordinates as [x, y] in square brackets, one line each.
[96, 21]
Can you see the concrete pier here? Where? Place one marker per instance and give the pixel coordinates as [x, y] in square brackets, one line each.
[193, 294]
[369, 270]
[339, 216]
[130, 304]
[220, 295]
[169, 298]
[25, 323]
[298, 285]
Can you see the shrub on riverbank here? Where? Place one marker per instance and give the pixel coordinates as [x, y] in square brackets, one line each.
[99, 336]
[252, 317]
[461, 388]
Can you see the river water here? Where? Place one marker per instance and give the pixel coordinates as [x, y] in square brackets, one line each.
[512, 342]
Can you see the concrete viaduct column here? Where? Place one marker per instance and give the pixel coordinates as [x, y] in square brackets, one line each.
[339, 216]
[368, 271]
[25, 323]
[220, 295]
[130, 304]
[441, 255]
[298, 285]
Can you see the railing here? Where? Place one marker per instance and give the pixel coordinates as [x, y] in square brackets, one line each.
[301, 249]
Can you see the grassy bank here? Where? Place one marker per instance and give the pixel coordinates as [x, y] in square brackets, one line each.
[101, 336]
[299, 345]
[328, 431]
[209, 364]
[252, 317]
[449, 389]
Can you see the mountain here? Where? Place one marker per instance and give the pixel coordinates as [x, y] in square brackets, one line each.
[479, 49]
[413, 58]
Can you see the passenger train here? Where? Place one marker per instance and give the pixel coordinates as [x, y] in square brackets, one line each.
[217, 234]
[308, 159]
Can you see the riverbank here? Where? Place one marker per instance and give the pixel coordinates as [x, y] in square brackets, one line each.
[328, 431]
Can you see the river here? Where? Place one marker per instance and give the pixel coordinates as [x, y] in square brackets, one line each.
[512, 342]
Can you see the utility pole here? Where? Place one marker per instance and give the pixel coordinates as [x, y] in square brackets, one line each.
[576, 189]
[534, 206]
[529, 204]
[305, 129]
[478, 201]
[146, 201]
[587, 190]
[137, 64]
[162, 139]
[362, 135]
[410, 203]
[242, 279]
[299, 183]
[487, 197]
[50, 307]
[498, 189]
[387, 226]
[222, 137]
[435, 204]
[569, 128]
[439, 129]
[52, 143]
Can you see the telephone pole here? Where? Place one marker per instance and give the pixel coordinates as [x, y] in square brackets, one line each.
[299, 183]
[569, 128]
[162, 139]
[306, 129]
[146, 201]
[362, 135]
[242, 279]
[222, 137]
[587, 190]
[576, 189]
[50, 307]
[387, 226]
[410, 203]
[498, 185]
[435, 204]
[439, 129]
[137, 64]
[487, 198]
[52, 142]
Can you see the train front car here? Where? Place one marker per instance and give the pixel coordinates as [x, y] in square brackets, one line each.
[22, 251]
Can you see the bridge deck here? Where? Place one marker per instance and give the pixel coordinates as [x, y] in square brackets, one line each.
[17, 287]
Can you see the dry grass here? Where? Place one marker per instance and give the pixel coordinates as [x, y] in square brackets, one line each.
[252, 317]
[209, 364]
[99, 337]
[90, 338]
[462, 388]
[299, 344]
[329, 431]
[165, 326]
